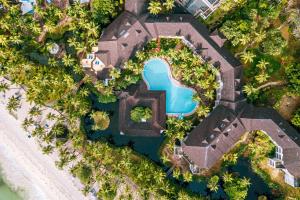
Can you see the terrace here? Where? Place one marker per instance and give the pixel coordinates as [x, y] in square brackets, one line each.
[202, 8]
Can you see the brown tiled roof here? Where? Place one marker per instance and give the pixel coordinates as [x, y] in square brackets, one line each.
[280, 131]
[218, 38]
[215, 136]
[136, 7]
[128, 33]
[104, 56]
[123, 37]
[133, 29]
[218, 133]
[138, 95]
[102, 75]
[196, 33]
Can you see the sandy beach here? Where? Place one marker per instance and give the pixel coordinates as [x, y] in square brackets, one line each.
[26, 168]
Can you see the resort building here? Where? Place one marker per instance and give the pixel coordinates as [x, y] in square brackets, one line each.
[286, 139]
[96, 64]
[202, 8]
[231, 117]
[139, 95]
[27, 6]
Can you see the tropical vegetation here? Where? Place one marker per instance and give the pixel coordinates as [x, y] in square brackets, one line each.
[140, 114]
[263, 34]
[100, 119]
[159, 6]
[57, 82]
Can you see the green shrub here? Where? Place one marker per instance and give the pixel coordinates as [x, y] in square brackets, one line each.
[101, 120]
[83, 172]
[296, 118]
[293, 76]
[138, 114]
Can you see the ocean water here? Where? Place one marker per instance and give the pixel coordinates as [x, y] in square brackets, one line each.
[6, 193]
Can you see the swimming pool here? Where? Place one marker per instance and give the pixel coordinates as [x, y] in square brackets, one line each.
[179, 99]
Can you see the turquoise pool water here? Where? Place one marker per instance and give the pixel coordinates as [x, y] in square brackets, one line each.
[179, 99]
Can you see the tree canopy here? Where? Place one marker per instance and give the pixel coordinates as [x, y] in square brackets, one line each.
[139, 114]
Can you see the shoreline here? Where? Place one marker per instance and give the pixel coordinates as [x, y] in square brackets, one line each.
[16, 192]
[27, 170]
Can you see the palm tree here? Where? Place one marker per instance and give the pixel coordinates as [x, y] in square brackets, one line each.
[187, 176]
[169, 4]
[101, 120]
[245, 39]
[52, 62]
[92, 42]
[155, 7]
[13, 104]
[213, 183]
[263, 77]
[3, 40]
[68, 60]
[248, 57]
[27, 123]
[140, 55]
[250, 90]
[15, 39]
[92, 30]
[260, 36]
[176, 173]
[209, 94]
[3, 87]
[197, 98]
[202, 111]
[245, 182]
[115, 73]
[293, 16]
[165, 158]
[72, 42]
[262, 64]
[159, 176]
[180, 135]
[227, 177]
[47, 149]
[35, 111]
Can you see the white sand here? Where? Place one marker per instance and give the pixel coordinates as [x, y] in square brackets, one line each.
[25, 167]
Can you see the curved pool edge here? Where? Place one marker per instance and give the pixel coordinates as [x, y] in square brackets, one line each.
[176, 83]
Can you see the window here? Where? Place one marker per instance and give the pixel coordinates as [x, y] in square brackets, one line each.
[289, 179]
[278, 156]
[271, 162]
[90, 56]
[97, 62]
[213, 2]
[278, 149]
[278, 153]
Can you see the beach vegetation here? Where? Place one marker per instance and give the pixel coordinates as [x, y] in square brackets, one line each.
[13, 103]
[83, 172]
